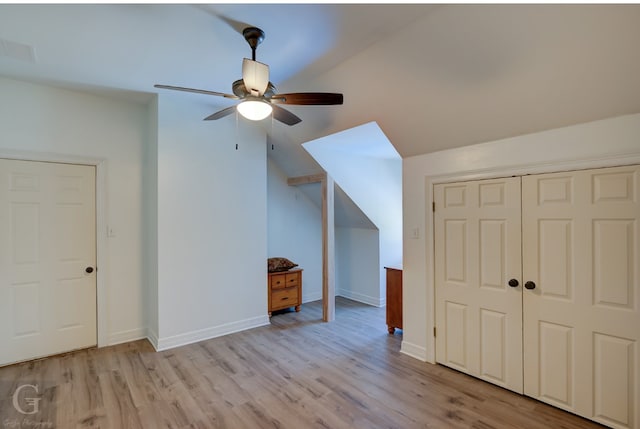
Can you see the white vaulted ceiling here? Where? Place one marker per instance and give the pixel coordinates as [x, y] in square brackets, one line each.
[432, 76]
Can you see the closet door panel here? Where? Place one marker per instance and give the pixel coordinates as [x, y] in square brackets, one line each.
[582, 320]
[478, 315]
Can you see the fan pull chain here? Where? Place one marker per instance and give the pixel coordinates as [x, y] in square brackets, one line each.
[272, 122]
[237, 130]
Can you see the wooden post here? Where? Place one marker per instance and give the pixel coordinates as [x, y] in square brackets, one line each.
[328, 251]
[328, 241]
[303, 180]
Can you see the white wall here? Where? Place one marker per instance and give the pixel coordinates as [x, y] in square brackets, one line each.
[602, 143]
[294, 225]
[42, 122]
[212, 224]
[357, 265]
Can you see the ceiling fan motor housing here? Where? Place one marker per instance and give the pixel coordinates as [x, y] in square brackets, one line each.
[238, 87]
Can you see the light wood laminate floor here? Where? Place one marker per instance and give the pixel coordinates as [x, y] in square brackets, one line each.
[296, 373]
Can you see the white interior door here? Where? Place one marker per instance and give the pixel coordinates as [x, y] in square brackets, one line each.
[477, 253]
[581, 241]
[47, 240]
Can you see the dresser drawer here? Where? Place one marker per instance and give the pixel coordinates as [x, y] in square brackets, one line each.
[284, 298]
[292, 279]
[278, 281]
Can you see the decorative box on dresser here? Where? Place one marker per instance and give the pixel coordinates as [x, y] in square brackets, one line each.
[285, 290]
[394, 299]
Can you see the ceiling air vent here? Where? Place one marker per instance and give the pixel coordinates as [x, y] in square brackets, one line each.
[17, 51]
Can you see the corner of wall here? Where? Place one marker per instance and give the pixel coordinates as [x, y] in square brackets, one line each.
[150, 214]
[416, 351]
[152, 337]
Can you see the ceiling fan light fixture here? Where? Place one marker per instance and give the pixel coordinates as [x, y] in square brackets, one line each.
[254, 110]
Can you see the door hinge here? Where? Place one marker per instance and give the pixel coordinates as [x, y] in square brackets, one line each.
[434, 331]
[433, 206]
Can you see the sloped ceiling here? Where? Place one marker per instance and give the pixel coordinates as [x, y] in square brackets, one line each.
[432, 76]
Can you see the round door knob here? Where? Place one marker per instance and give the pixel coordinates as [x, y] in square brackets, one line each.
[88, 270]
[513, 283]
[530, 285]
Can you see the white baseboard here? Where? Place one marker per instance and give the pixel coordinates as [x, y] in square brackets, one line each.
[360, 297]
[414, 351]
[311, 297]
[126, 336]
[204, 334]
[153, 338]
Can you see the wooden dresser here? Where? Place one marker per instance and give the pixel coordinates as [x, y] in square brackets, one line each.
[285, 290]
[394, 299]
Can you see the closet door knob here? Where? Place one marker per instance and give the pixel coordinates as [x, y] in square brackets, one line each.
[530, 285]
[88, 270]
[513, 283]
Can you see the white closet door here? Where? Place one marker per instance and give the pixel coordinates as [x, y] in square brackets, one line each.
[47, 240]
[477, 251]
[581, 248]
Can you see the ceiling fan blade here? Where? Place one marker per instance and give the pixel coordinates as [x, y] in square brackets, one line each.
[221, 114]
[198, 91]
[308, 98]
[285, 116]
[255, 76]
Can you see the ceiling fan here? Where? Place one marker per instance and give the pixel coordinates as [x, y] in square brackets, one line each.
[258, 96]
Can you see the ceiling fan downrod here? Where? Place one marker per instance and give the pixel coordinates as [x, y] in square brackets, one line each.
[254, 36]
